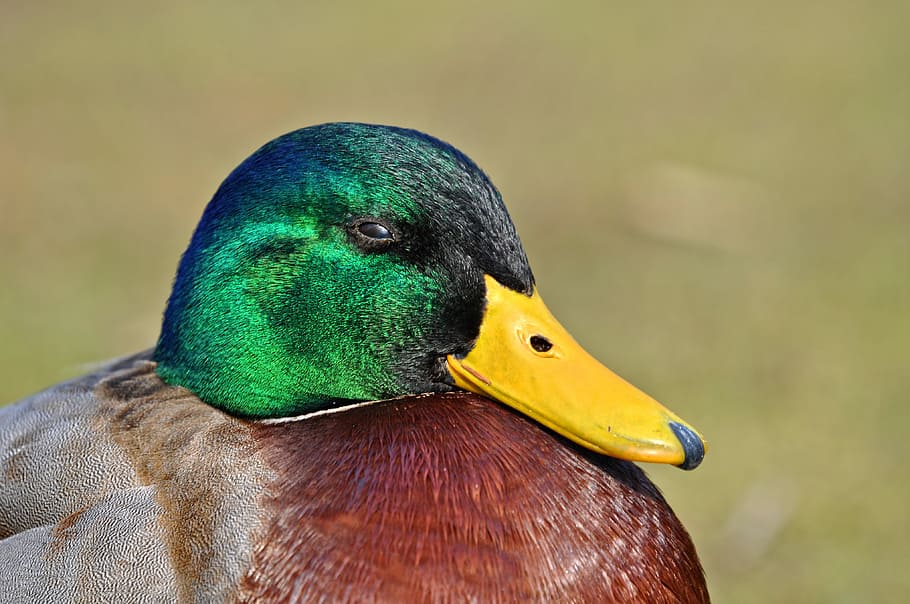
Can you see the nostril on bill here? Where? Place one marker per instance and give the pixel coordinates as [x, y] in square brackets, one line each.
[692, 445]
[540, 343]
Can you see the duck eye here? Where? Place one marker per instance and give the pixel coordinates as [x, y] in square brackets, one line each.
[374, 230]
[371, 234]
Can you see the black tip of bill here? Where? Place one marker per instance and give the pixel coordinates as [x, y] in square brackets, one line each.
[692, 445]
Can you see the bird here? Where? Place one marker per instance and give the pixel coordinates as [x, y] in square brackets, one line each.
[357, 395]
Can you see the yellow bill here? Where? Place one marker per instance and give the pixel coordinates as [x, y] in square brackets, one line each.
[525, 359]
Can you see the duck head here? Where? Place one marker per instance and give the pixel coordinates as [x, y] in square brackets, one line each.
[348, 262]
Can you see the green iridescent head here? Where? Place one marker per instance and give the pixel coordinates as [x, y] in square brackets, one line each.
[338, 263]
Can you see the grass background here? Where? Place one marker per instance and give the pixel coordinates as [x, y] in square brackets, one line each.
[714, 196]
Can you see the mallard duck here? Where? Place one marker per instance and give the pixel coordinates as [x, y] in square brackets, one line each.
[357, 395]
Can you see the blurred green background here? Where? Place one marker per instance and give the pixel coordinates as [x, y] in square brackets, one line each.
[715, 198]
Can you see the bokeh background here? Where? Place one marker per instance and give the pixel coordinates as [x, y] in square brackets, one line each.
[715, 198]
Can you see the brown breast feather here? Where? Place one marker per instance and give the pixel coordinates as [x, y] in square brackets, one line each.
[453, 498]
